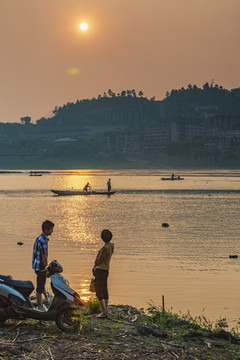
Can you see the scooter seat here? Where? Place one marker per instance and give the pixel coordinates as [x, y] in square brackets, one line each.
[17, 283]
[24, 287]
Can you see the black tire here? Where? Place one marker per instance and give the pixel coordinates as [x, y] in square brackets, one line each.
[2, 320]
[68, 319]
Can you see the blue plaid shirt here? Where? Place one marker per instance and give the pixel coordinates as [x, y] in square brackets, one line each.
[40, 247]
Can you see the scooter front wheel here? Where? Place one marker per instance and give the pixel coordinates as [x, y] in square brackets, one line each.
[68, 319]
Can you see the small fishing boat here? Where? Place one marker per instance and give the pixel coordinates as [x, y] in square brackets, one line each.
[80, 192]
[34, 173]
[173, 178]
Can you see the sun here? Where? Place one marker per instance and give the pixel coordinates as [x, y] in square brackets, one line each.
[83, 26]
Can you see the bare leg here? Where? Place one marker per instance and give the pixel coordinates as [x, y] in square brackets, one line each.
[103, 306]
[39, 299]
[106, 304]
[45, 292]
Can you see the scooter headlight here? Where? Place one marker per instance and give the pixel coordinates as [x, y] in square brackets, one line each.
[53, 268]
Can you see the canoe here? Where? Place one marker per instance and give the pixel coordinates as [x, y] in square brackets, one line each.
[172, 179]
[35, 173]
[80, 192]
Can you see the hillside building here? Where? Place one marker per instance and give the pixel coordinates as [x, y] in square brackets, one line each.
[122, 141]
[187, 129]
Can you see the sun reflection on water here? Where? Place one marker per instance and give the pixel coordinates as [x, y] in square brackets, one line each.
[84, 292]
[76, 182]
[77, 179]
[76, 220]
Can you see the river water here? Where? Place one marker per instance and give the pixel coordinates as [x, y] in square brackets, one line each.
[188, 262]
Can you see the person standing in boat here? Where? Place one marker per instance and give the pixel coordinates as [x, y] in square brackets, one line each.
[86, 187]
[109, 185]
[101, 271]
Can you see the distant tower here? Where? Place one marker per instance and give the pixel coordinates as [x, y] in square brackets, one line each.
[25, 120]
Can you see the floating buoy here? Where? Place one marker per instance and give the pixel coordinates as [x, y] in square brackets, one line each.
[165, 225]
[233, 256]
[20, 243]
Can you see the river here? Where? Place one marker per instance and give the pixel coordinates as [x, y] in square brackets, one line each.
[188, 262]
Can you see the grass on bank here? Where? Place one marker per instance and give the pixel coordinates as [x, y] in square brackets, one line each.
[166, 319]
[93, 306]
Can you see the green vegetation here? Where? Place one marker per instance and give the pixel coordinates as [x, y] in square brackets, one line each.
[116, 326]
[167, 318]
[93, 306]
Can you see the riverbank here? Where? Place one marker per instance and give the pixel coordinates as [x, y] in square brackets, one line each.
[127, 333]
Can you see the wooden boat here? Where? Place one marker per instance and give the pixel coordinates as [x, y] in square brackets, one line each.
[174, 178]
[34, 173]
[80, 192]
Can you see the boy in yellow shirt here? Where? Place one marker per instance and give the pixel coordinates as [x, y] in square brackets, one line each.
[101, 271]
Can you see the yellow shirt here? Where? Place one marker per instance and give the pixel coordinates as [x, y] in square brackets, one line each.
[104, 256]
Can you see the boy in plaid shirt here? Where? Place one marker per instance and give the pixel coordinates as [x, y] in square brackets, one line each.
[40, 259]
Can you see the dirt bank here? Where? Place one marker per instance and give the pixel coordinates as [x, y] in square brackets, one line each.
[126, 334]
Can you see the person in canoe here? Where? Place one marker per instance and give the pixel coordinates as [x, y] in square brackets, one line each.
[87, 187]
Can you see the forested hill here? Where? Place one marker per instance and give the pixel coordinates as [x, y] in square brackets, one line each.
[93, 111]
[181, 102]
[186, 100]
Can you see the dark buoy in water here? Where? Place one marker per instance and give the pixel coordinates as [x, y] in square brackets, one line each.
[20, 243]
[233, 256]
[165, 225]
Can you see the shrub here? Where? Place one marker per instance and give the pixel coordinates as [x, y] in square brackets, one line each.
[93, 306]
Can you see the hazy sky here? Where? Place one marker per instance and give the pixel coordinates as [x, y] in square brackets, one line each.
[148, 45]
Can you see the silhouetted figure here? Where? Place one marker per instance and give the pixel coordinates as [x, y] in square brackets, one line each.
[109, 185]
[86, 187]
[172, 177]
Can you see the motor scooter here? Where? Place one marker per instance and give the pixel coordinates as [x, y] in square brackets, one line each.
[15, 300]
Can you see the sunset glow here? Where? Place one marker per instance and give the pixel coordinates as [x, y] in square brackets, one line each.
[86, 35]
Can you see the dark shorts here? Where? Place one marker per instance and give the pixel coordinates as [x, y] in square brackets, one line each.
[101, 284]
[41, 281]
